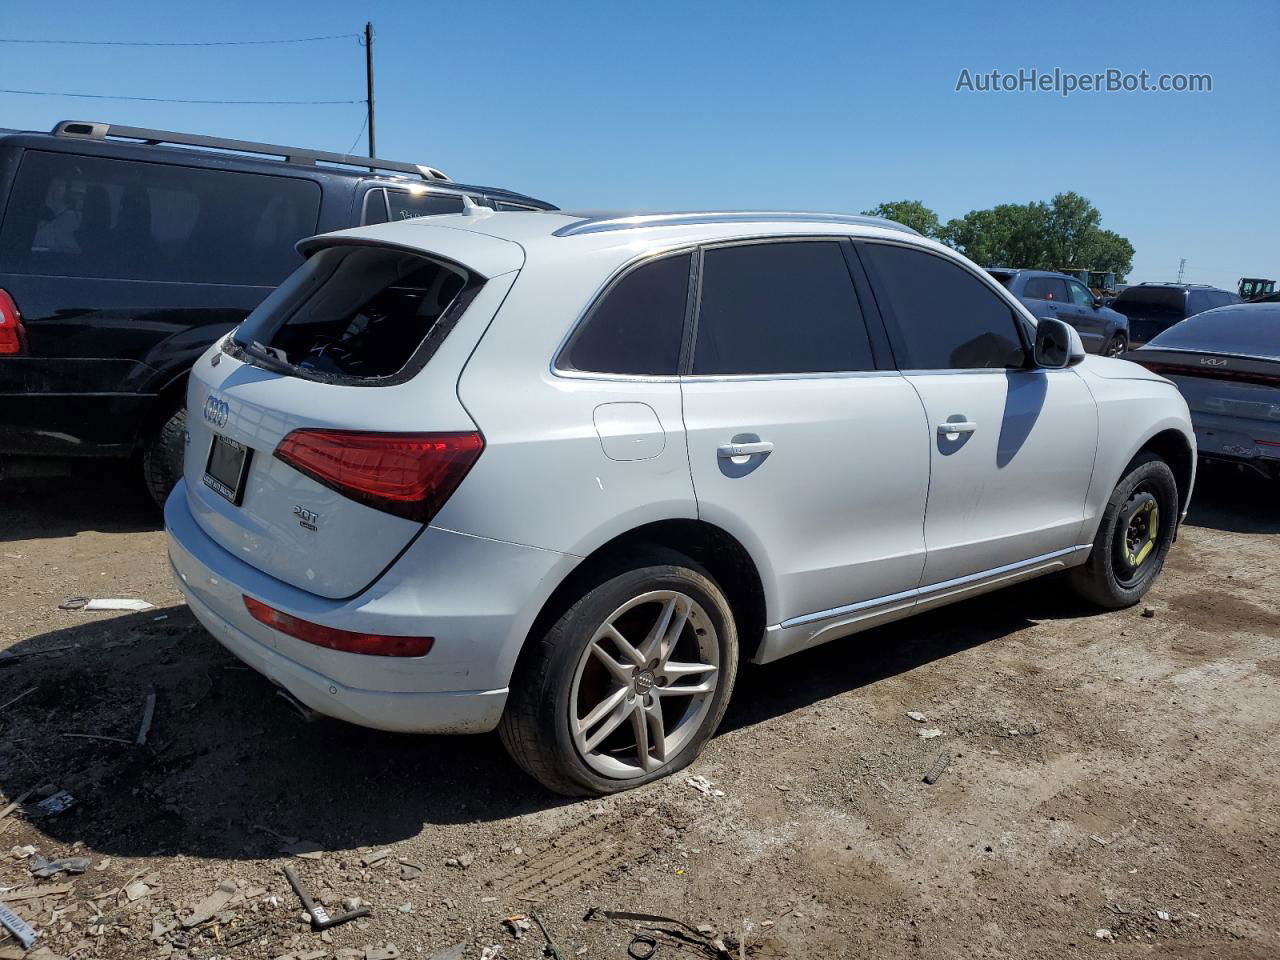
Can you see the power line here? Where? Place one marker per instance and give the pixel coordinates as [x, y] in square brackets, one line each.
[184, 43]
[104, 96]
[364, 123]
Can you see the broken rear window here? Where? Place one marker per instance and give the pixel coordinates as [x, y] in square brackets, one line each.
[358, 313]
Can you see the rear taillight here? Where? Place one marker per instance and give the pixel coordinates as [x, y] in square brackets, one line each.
[1211, 373]
[12, 336]
[408, 474]
[348, 641]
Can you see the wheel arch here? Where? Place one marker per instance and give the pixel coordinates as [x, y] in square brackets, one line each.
[711, 547]
[1172, 446]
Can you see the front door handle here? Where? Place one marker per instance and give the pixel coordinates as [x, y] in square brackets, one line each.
[957, 426]
[729, 450]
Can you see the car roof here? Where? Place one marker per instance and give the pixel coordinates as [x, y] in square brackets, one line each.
[251, 162]
[556, 234]
[1027, 271]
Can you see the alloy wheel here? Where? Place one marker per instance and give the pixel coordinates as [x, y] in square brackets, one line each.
[644, 684]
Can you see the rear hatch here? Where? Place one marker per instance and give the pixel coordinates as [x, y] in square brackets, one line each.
[360, 350]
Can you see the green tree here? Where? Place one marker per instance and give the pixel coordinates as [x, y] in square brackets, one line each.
[909, 213]
[1110, 251]
[1072, 225]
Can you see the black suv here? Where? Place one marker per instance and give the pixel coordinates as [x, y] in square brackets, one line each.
[126, 252]
[1155, 307]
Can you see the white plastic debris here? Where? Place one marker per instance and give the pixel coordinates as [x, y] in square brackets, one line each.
[703, 786]
[1162, 914]
[118, 603]
[915, 715]
[1104, 934]
[930, 733]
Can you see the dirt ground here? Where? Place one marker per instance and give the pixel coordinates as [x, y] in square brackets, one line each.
[1112, 789]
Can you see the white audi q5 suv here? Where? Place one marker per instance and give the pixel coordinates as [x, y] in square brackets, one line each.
[559, 475]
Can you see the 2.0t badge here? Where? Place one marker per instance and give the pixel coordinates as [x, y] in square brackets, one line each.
[307, 519]
[217, 411]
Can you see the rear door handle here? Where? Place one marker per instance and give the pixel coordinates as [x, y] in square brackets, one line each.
[729, 450]
[957, 426]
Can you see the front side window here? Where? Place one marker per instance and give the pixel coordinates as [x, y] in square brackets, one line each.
[76, 216]
[779, 308]
[637, 326]
[406, 205]
[945, 317]
[1080, 295]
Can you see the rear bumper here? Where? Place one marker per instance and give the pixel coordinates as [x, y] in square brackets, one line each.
[477, 597]
[1236, 439]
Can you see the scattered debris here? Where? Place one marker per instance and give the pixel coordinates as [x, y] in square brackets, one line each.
[519, 925]
[137, 890]
[549, 950]
[451, 953]
[44, 869]
[703, 786]
[37, 893]
[320, 919]
[17, 926]
[929, 734]
[1099, 840]
[642, 947]
[148, 714]
[1104, 934]
[939, 767]
[105, 603]
[55, 803]
[306, 849]
[16, 804]
[10, 703]
[684, 933]
[213, 904]
[461, 862]
[915, 715]
[1148, 612]
[491, 953]
[1162, 914]
[410, 870]
[388, 951]
[373, 859]
[21, 853]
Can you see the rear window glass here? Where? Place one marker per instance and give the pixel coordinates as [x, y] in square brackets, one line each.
[409, 206]
[1166, 299]
[637, 327]
[1250, 331]
[358, 312]
[74, 216]
[779, 308]
[1046, 288]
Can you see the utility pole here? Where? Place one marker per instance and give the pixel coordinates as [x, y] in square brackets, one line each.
[1182, 264]
[368, 72]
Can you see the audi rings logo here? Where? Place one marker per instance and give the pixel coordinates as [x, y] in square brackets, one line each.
[216, 411]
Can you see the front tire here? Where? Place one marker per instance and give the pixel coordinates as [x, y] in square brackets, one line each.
[163, 454]
[1117, 346]
[628, 684]
[1134, 536]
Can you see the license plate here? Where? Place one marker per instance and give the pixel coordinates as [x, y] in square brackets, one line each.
[226, 468]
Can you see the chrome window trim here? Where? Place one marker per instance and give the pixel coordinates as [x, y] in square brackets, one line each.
[642, 221]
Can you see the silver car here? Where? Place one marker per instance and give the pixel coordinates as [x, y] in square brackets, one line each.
[559, 475]
[1226, 362]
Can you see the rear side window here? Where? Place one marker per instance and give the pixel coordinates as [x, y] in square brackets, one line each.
[779, 308]
[74, 216]
[1046, 288]
[405, 205]
[945, 317]
[358, 312]
[637, 327]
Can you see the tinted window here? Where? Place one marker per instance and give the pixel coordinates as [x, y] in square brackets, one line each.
[507, 205]
[1080, 295]
[638, 326]
[1251, 331]
[79, 216]
[946, 318]
[779, 308]
[1046, 288]
[407, 206]
[375, 207]
[1152, 299]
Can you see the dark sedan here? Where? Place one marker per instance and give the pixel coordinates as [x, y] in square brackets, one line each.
[1226, 362]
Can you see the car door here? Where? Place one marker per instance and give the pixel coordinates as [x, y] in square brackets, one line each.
[1081, 313]
[799, 445]
[1044, 296]
[1011, 447]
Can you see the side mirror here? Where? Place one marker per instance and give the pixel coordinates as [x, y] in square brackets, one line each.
[1057, 344]
[1097, 302]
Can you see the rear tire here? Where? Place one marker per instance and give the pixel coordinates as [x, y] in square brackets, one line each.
[579, 670]
[1134, 536]
[163, 454]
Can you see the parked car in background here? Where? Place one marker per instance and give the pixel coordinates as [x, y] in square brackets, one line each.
[558, 475]
[1226, 362]
[1048, 294]
[1154, 307]
[125, 252]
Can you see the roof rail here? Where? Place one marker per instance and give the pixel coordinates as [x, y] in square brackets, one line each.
[606, 224]
[89, 130]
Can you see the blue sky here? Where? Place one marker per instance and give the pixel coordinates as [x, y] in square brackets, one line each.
[802, 105]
